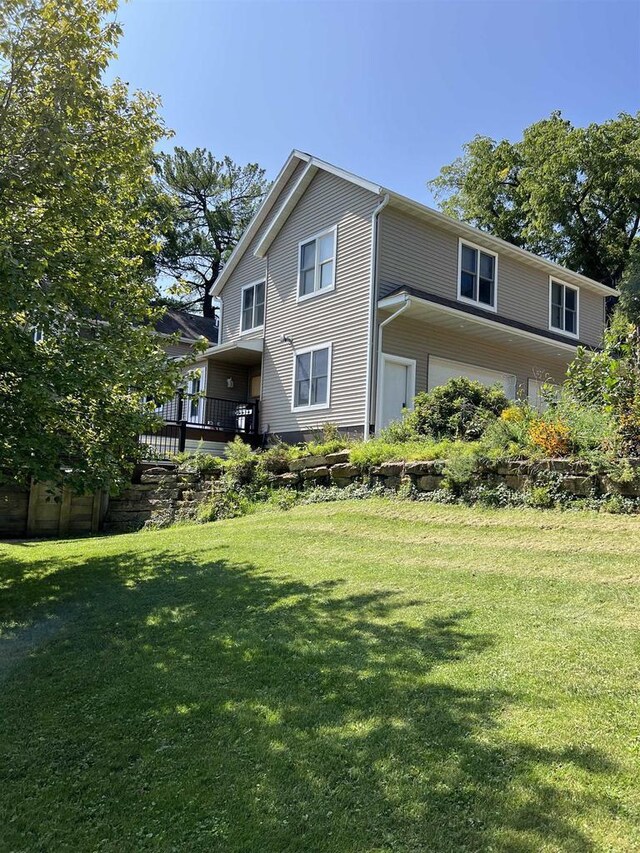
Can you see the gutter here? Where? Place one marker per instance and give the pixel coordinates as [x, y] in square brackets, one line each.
[372, 311]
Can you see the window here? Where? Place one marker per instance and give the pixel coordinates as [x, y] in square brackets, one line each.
[311, 378]
[563, 310]
[195, 386]
[478, 276]
[38, 335]
[252, 307]
[317, 264]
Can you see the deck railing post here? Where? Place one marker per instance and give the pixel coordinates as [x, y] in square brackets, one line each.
[182, 423]
[255, 425]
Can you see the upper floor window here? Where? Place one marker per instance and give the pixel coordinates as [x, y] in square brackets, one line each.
[563, 308]
[317, 264]
[311, 378]
[478, 275]
[252, 307]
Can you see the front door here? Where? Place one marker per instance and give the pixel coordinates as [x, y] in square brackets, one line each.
[396, 388]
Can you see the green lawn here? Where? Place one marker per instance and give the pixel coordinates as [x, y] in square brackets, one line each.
[357, 676]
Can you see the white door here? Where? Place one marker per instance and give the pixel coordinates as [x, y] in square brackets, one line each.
[441, 370]
[397, 388]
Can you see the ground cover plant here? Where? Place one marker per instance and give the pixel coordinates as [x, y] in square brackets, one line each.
[370, 676]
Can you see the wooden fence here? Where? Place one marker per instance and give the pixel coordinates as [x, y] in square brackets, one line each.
[44, 510]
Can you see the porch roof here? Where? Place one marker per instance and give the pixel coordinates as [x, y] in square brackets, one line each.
[235, 352]
[458, 318]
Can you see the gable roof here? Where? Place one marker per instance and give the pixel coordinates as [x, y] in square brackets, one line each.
[191, 326]
[397, 200]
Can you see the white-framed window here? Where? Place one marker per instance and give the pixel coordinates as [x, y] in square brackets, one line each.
[311, 378]
[38, 335]
[252, 308]
[317, 263]
[564, 308]
[477, 275]
[195, 402]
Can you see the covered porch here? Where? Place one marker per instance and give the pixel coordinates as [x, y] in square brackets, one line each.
[221, 401]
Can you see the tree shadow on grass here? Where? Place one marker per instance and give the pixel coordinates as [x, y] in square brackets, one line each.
[198, 705]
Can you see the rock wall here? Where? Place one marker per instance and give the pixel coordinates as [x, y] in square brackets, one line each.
[164, 495]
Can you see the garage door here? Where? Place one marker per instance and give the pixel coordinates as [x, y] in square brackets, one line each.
[441, 370]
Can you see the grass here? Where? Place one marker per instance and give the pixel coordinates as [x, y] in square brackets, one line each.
[371, 676]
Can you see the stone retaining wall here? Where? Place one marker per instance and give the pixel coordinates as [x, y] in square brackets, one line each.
[162, 495]
[575, 478]
[167, 494]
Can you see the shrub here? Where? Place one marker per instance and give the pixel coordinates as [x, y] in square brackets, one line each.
[199, 461]
[551, 437]
[461, 465]
[378, 450]
[460, 409]
[240, 462]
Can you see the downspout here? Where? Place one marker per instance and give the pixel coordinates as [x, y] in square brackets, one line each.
[401, 309]
[372, 311]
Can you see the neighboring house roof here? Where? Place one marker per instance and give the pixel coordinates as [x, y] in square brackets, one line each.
[397, 200]
[189, 326]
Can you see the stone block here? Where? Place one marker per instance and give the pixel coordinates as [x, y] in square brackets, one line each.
[389, 469]
[343, 471]
[429, 482]
[289, 478]
[319, 473]
[580, 486]
[424, 468]
[337, 458]
[307, 462]
[516, 482]
[625, 489]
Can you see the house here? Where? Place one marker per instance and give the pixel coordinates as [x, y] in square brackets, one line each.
[343, 299]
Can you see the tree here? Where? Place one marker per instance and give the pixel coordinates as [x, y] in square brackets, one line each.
[213, 202]
[77, 207]
[571, 194]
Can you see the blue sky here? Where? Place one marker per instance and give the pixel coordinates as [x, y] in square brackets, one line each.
[390, 91]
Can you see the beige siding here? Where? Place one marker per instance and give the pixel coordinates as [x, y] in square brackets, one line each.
[177, 350]
[419, 340]
[339, 317]
[249, 269]
[423, 256]
[217, 375]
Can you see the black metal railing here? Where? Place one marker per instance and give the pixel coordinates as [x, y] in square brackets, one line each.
[204, 413]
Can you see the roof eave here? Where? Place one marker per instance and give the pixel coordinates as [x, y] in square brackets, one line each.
[259, 217]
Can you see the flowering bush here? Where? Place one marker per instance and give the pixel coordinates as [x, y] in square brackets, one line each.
[553, 438]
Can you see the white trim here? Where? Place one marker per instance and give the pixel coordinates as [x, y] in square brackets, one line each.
[462, 242]
[553, 328]
[315, 406]
[264, 302]
[199, 417]
[400, 299]
[308, 174]
[411, 363]
[317, 291]
[260, 215]
[313, 165]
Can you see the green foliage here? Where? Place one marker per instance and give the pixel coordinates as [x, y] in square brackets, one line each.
[378, 450]
[609, 380]
[199, 461]
[461, 465]
[208, 205]
[77, 231]
[460, 409]
[567, 193]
